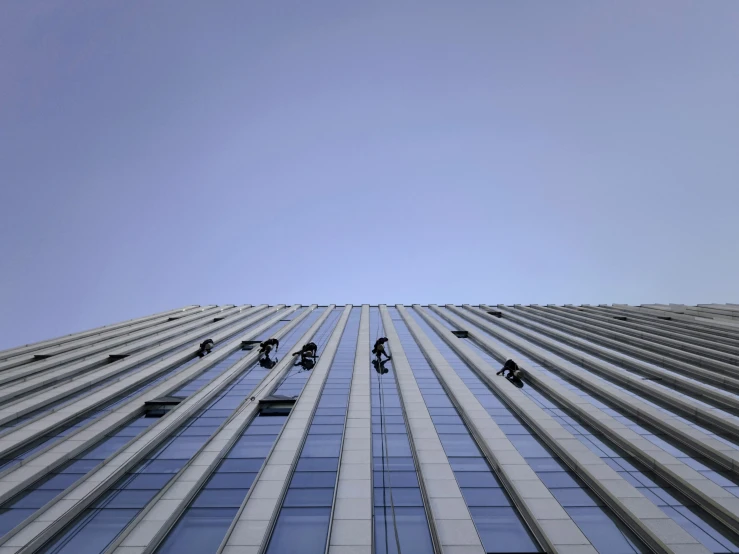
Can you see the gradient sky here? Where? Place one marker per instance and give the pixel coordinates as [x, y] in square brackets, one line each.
[159, 154]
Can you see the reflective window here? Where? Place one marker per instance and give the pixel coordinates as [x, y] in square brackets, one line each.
[478, 483]
[54, 483]
[227, 487]
[126, 498]
[300, 530]
[311, 489]
[566, 488]
[400, 519]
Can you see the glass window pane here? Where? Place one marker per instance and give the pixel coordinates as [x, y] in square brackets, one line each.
[476, 479]
[199, 531]
[11, 518]
[59, 482]
[459, 445]
[240, 465]
[485, 497]
[309, 497]
[545, 464]
[160, 466]
[400, 497]
[100, 528]
[231, 480]
[394, 464]
[313, 479]
[318, 464]
[321, 446]
[575, 497]
[559, 479]
[300, 530]
[220, 498]
[126, 499]
[501, 530]
[35, 499]
[395, 479]
[528, 446]
[412, 530]
[606, 537]
[81, 466]
[144, 481]
[468, 464]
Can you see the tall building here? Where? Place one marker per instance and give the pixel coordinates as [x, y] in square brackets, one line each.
[618, 433]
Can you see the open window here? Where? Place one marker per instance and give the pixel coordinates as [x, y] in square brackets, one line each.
[160, 406]
[461, 334]
[276, 405]
[620, 317]
[249, 344]
[495, 313]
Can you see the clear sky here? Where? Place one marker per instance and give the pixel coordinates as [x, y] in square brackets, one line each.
[159, 154]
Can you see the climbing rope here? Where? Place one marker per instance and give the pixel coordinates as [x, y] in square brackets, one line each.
[385, 454]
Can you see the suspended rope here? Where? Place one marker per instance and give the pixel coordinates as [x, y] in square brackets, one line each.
[385, 454]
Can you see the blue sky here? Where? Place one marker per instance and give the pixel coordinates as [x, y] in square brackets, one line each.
[159, 154]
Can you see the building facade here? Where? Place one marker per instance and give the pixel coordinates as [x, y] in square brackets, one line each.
[618, 433]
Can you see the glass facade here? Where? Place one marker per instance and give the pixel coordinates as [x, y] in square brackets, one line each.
[28, 450]
[645, 395]
[100, 524]
[70, 448]
[596, 521]
[303, 521]
[681, 451]
[400, 515]
[701, 525]
[498, 522]
[66, 400]
[202, 527]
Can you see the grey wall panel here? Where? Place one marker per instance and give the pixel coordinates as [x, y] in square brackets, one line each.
[19, 350]
[351, 518]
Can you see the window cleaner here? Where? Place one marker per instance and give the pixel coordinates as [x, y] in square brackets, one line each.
[266, 347]
[509, 366]
[205, 347]
[308, 354]
[514, 373]
[379, 349]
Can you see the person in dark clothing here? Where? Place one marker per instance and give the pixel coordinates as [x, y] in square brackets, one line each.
[379, 349]
[205, 347]
[309, 352]
[514, 373]
[509, 366]
[266, 347]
